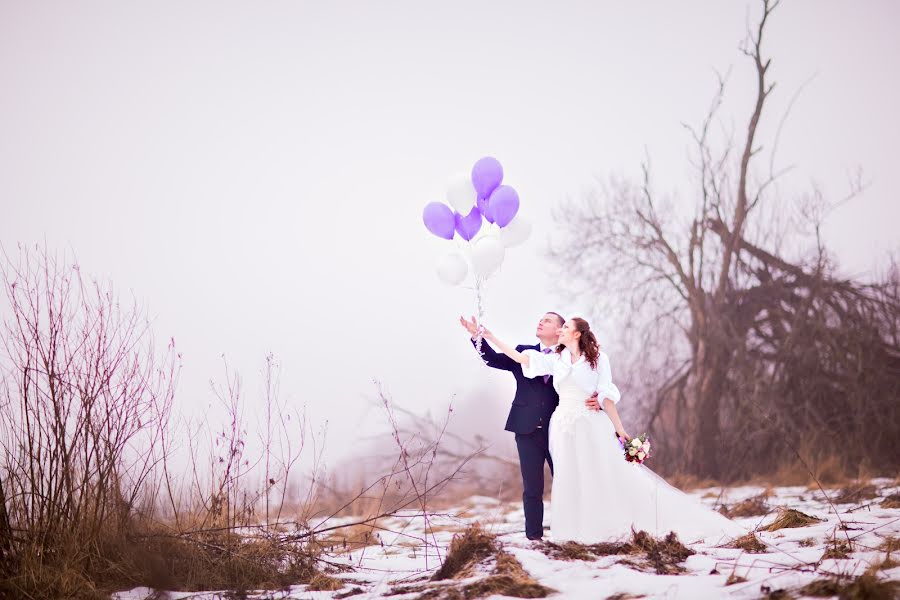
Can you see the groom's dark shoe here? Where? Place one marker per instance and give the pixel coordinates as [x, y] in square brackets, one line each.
[534, 538]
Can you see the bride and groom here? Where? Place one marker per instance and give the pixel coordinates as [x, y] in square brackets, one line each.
[564, 413]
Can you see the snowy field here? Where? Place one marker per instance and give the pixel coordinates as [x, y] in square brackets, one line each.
[400, 564]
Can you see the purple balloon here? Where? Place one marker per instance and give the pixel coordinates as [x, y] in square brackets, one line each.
[469, 225]
[486, 176]
[483, 206]
[504, 204]
[439, 220]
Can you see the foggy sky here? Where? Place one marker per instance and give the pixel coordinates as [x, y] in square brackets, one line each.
[254, 173]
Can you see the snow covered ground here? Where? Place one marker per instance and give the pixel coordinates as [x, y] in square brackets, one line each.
[400, 559]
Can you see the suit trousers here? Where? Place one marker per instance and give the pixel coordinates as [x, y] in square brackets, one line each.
[533, 451]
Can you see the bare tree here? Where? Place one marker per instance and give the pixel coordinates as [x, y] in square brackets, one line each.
[86, 396]
[754, 346]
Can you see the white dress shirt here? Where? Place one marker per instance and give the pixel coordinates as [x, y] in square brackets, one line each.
[560, 366]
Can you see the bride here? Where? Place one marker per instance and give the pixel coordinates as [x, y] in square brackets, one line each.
[597, 495]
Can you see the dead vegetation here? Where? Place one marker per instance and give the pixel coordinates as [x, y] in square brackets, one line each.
[471, 551]
[867, 586]
[86, 395]
[576, 551]
[892, 501]
[734, 334]
[751, 507]
[507, 578]
[664, 555]
[748, 543]
[642, 551]
[821, 588]
[790, 518]
[466, 549]
[837, 549]
[855, 493]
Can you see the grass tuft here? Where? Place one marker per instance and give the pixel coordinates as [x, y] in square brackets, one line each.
[751, 507]
[837, 550]
[855, 493]
[466, 549]
[748, 543]
[892, 501]
[790, 518]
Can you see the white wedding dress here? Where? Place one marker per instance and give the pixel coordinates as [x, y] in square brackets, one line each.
[599, 496]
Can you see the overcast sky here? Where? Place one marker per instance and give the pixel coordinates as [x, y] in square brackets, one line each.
[254, 172]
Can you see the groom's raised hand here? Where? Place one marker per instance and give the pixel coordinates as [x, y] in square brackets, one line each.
[472, 327]
[469, 325]
[593, 403]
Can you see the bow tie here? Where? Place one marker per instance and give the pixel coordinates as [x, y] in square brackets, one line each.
[547, 351]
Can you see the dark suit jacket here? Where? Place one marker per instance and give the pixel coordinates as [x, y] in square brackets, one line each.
[535, 400]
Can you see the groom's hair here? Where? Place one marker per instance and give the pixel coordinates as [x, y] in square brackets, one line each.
[558, 316]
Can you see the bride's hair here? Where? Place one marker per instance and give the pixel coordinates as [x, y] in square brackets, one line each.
[587, 343]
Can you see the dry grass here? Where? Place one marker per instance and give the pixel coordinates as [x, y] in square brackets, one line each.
[576, 551]
[733, 579]
[790, 518]
[348, 539]
[660, 555]
[507, 579]
[751, 507]
[807, 542]
[665, 554]
[154, 557]
[829, 470]
[870, 587]
[889, 545]
[466, 549]
[837, 550]
[855, 493]
[832, 470]
[821, 588]
[892, 501]
[323, 583]
[789, 474]
[748, 543]
[867, 586]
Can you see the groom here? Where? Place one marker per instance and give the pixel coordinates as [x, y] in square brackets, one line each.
[529, 416]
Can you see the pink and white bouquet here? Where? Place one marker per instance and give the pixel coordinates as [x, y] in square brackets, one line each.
[637, 449]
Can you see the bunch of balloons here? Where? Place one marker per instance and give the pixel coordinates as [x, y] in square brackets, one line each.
[483, 214]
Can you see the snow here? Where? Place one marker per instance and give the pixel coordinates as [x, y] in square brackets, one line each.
[402, 558]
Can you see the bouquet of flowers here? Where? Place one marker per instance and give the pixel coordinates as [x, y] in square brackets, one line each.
[637, 449]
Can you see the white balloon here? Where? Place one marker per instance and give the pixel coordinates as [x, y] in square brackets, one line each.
[487, 256]
[461, 194]
[488, 230]
[516, 232]
[452, 268]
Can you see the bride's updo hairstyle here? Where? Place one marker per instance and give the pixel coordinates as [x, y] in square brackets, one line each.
[587, 343]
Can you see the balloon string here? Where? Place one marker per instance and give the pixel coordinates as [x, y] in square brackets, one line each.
[479, 310]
